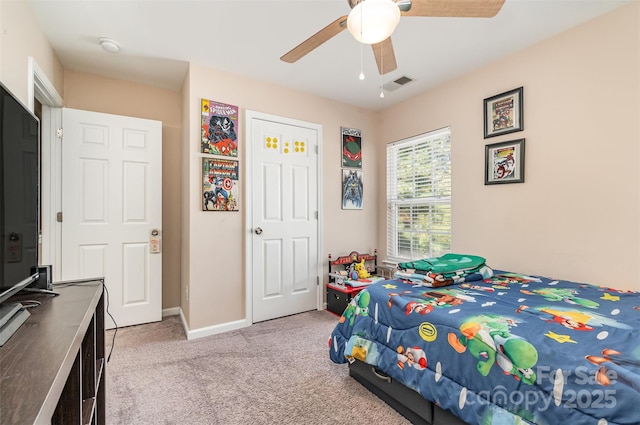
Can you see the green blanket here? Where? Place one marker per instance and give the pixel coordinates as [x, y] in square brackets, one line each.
[448, 263]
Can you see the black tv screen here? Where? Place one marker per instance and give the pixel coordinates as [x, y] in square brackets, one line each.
[19, 159]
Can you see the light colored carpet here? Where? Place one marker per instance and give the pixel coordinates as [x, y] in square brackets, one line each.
[274, 372]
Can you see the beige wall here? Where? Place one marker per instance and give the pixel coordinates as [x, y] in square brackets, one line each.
[215, 261]
[21, 38]
[577, 214]
[185, 183]
[94, 93]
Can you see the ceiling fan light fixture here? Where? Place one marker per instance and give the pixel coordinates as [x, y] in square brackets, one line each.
[372, 21]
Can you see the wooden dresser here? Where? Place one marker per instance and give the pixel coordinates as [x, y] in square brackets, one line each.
[52, 370]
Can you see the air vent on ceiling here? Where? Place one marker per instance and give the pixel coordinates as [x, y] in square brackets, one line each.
[397, 83]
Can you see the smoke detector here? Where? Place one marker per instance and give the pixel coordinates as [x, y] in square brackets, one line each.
[109, 45]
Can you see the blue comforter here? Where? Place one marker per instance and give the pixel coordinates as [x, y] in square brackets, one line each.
[509, 349]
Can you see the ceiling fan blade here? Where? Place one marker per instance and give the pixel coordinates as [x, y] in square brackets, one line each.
[455, 8]
[331, 30]
[385, 56]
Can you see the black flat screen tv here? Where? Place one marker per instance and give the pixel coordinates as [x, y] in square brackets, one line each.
[19, 194]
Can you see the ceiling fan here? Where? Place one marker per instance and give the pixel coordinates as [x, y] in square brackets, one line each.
[390, 12]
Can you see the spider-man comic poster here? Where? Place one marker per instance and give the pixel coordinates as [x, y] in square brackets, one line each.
[504, 162]
[219, 184]
[351, 147]
[218, 129]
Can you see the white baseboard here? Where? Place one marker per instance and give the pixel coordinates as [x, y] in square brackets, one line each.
[173, 311]
[212, 330]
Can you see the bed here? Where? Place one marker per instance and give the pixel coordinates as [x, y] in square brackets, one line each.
[495, 347]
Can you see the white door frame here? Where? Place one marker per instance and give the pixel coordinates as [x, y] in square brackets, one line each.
[248, 204]
[41, 88]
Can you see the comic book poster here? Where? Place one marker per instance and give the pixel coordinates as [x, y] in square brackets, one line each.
[504, 163]
[218, 130]
[351, 147]
[503, 113]
[352, 190]
[219, 184]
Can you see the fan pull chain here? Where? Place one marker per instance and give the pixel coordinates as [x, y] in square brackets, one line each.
[361, 72]
[361, 76]
[381, 71]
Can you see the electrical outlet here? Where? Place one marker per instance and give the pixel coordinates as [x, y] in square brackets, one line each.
[186, 292]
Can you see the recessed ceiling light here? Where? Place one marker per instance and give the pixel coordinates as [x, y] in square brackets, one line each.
[109, 45]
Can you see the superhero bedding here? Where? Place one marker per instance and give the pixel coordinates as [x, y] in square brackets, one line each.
[507, 349]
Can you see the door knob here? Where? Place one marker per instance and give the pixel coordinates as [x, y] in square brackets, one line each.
[258, 230]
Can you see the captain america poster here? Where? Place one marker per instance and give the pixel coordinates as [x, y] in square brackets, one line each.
[219, 184]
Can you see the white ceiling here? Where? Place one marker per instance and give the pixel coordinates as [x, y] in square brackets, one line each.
[247, 37]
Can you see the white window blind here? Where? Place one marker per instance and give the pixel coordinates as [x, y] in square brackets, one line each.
[419, 196]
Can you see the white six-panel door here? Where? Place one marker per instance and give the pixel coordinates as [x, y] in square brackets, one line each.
[284, 223]
[111, 203]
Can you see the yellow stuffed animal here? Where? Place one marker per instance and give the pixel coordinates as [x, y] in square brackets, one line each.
[361, 269]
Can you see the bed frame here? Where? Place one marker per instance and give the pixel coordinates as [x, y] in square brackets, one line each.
[404, 400]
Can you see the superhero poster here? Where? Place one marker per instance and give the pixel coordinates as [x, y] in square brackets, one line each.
[218, 130]
[503, 113]
[219, 184]
[351, 147]
[505, 162]
[352, 189]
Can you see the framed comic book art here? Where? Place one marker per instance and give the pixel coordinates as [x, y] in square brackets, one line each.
[504, 162]
[351, 147]
[503, 113]
[352, 190]
[219, 123]
[219, 184]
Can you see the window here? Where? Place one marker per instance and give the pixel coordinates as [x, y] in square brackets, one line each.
[419, 196]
